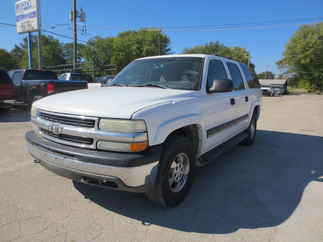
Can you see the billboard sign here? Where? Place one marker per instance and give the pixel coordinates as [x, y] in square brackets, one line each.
[27, 16]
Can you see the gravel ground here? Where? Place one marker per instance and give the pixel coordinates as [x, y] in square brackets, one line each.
[271, 191]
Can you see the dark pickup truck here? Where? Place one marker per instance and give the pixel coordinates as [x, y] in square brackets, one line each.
[32, 85]
[7, 90]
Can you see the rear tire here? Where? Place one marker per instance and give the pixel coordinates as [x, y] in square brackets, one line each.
[251, 131]
[175, 173]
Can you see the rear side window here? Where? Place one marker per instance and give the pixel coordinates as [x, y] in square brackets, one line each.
[39, 75]
[4, 78]
[238, 83]
[216, 72]
[252, 79]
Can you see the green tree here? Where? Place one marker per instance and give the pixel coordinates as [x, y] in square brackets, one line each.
[266, 75]
[7, 62]
[131, 45]
[216, 48]
[97, 54]
[68, 52]
[52, 52]
[303, 56]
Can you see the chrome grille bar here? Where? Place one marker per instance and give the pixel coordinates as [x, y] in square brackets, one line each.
[70, 134]
[68, 120]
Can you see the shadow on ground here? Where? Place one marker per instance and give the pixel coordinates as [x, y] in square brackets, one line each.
[249, 187]
[14, 115]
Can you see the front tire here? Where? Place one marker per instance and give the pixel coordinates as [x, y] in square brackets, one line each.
[175, 173]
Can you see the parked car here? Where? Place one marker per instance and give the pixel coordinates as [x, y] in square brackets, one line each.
[72, 76]
[159, 119]
[104, 80]
[273, 87]
[32, 85]
[7, 90]
[75, 76]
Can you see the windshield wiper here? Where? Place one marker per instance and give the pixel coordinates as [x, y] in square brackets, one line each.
[151, 85]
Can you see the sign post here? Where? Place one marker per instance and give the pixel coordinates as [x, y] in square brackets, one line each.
[30, 51]
[27, 21]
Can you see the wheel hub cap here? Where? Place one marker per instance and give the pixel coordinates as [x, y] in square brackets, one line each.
[178, 172]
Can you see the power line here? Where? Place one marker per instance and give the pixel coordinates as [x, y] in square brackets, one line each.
[7, 24]
[234, 26]
[208, 28]
[47, 31]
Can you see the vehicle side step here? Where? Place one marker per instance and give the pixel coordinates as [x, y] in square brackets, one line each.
[211, 155]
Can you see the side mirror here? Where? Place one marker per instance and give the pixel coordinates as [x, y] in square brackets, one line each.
[225, 85]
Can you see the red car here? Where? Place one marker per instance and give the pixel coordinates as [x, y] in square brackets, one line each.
[7, 89]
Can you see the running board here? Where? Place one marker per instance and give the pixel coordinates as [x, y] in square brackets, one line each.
[213, 154]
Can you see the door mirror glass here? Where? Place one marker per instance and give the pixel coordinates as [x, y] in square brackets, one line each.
[225, 85]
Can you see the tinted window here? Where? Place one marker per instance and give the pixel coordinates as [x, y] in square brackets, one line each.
[4, 78]
[17, 77]
[62, 77]
[76, 77]
[80, 77]
[251, 78]
[236, 76]
[175, 73]
[216, 72]
[39, 75]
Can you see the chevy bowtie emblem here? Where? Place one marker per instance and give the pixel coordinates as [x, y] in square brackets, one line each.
[55, 129]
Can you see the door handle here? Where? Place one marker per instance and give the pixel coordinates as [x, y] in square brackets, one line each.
[232, 101]
[246, 98]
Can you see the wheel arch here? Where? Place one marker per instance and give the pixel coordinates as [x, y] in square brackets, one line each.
[193, 132]
[256, 111]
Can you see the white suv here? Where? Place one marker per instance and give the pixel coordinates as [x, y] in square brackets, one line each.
[159, 119]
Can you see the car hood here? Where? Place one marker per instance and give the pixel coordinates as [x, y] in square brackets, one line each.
[110, 102]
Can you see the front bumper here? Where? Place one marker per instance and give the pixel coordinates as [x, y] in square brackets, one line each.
[120, 171]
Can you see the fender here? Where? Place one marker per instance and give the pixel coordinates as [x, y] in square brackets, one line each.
[167, 127]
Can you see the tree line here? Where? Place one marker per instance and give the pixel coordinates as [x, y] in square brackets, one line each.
[302, 60]
[100, 52]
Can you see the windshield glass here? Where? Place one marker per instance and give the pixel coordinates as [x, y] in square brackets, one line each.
[175, 73]
[39, 75]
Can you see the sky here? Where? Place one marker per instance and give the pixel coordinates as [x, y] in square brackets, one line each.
[108, 18]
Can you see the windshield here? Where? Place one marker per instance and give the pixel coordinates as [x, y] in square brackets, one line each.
[175, 73]
[39, 75]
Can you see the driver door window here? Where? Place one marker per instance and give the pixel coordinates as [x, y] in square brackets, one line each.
[216, 72]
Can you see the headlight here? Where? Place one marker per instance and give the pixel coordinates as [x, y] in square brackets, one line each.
[122, 126]
[33, 111]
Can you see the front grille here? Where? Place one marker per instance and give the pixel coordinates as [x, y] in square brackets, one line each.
[74, 121]
[69, 138]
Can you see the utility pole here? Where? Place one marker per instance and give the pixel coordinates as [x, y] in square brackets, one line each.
[74, 19]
